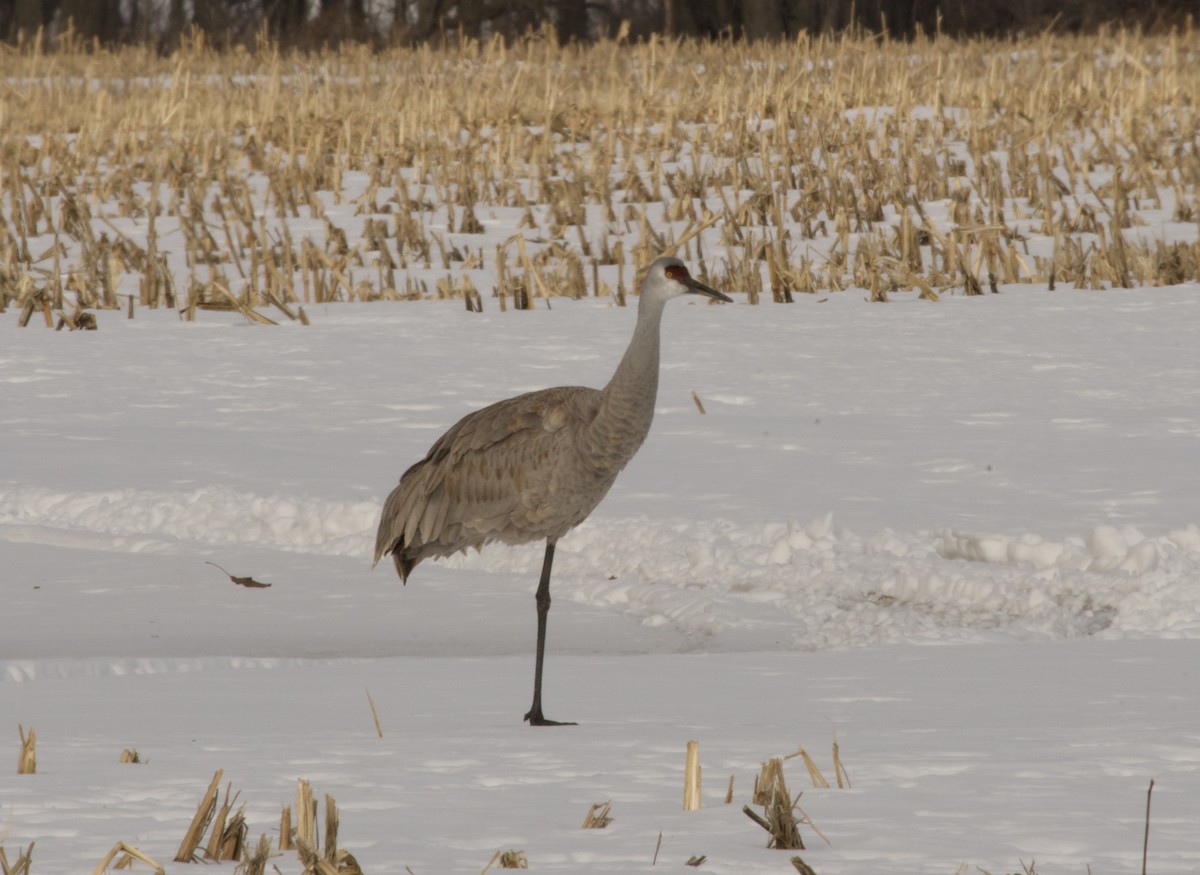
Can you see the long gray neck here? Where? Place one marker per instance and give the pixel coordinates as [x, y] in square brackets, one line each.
[635, 381]
[627, 402]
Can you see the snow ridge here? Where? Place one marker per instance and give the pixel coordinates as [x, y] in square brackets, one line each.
[726, 585]
[815, 587]
[211, 515]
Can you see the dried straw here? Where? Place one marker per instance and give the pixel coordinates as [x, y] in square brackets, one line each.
[128, 855]
[286, 834]
[255, 863]
[779, 820]
[306, 815]
[228, 838]
[691, 777]
[21, 867]
[507, 860]
[839, 770]
[374, 715]
[246, 178]
[27, 757]
[814, 773]
[800, 866]
[598, 816]
[203, 816]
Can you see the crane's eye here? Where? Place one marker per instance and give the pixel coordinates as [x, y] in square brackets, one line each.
[676, 272]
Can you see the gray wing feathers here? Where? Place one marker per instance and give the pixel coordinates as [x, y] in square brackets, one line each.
[503, 473]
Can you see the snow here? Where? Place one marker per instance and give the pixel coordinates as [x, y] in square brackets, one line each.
[961, 538]
[1012, 475]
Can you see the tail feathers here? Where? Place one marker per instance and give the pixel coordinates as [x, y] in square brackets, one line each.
[394, 528]
[404, 565]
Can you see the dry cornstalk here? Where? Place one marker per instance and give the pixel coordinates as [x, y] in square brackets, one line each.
[27, 758]
[256, 862]
[374, 715]
[314, 863]
[246, 310]
[764, 781]
[511, 859]
[128, 855]
[285, 829]
[343, 862]
[203, 816]
[228, 838]
[213, 849]
[347, 865]
[331, 828]
[306, 815]
[804, 818]
[21, 867]
[779, 820]
[839, 771]
[885, 201]
[814, 773]
[598, 816]
[691, 777]
[800, 866]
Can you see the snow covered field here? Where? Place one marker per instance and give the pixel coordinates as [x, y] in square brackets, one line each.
[1013, 475]
[961, 537]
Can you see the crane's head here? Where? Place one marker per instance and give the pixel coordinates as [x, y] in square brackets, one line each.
[668, 278]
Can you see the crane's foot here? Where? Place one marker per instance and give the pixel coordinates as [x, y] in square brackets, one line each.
[536, 719]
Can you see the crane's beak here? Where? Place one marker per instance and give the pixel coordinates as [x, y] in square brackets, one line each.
[695, 287]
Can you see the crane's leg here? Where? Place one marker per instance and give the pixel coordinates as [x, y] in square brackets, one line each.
[542, 598]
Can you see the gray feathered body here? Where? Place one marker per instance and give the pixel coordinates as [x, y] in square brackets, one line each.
[527, 468]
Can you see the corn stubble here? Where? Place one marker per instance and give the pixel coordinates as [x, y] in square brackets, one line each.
[27, 755]
[228, 837]
[22, 863]
[260, 181]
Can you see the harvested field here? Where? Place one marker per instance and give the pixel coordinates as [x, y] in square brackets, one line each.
[501, 174]
[935, 559]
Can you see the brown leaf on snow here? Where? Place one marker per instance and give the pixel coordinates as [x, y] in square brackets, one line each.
[249, 582]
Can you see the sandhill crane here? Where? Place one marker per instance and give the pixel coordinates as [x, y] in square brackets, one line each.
[533, 467]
